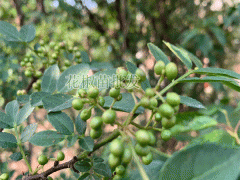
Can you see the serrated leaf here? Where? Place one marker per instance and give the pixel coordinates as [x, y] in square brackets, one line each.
[226, 81]
[61, 122]
[36, 98]
[72, 77]
[84, 176]
[158, 53]
[16, 156]
[27, 33]
[84, 57]
[12, 109]
[82, 166]
[28, 132]
[46, 138]
[218, 72]
[102, 169]
[24, 113]
[202, 122]
[23, 99]
[182, 55]
[57, 102]
[5, 121]
[126, 104]
[9, 31]
[50, 79]
[191, 102]
[7, 140]
[86, 143]
[81, 125]
[219, 163]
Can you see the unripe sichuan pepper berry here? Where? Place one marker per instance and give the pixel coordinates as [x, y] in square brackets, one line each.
[147, 159]
[82, 93]
[122, 72]
[152, 138]
[120, 170]
[166, 110]
[145, 102]
[109, 116]
[142, 151]
[114, 161]
[168, 123]
[42, 160]
[142, 137]
[4, 176]
[141, 75]
[127, 156]
[159, 67]
[114, 93]
[173, 99]
[28, 73]
[85, 114]
[158, 117]
[149, 92]
[60, 156]
[101, 101]
[95, 133]
[116, 147]
[166, 135]
[93, 92]
[77, 104]
[153, 102]
[171, 71]
[96, 122]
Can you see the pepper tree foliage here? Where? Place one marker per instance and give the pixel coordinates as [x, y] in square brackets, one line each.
[216, 145]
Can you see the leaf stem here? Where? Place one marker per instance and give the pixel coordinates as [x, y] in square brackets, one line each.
[160, 152]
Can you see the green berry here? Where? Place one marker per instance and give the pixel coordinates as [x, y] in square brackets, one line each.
[114, 161]
[4, 176]
[109, 116]
[52, 61]
[57, 48]
[75, 48]
[127, 156]
[28, 73]
[141, 75]
[118, 84]
[19, 92]
[50, 178]
[31, 60]
[168, 123]
[93, 92]
[67, 63]
[26, 60]
[52, 44]
[117, 177]
[176, 108]
[166, 135]
[62, 45]
[85, 114]
[60, 156]
[22, 63]
[171, 71]
[152, 138]
[142, 137]
[150, 92]
[114, 93]
[120, 170]
[35, 86]
[159, 67]
[42, 160]
[142, 151]
[77, 54]
[153, 102]
[38, 74]
[82, 93]
[166, 110]
[41, 42]
[158, 117]
[95, 133]
[116, 147]
[54, 56]
[96, 122]
[173, 99]
[145, 102]
[28, 64]
[77, 104]
[119, 98]
[147, 159]
[101, 101]
[122, 72]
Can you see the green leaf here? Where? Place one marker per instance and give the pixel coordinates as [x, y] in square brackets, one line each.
[72, 140]
[12, 109]
[131, 67]
[84, 57]
[27, 33]
[36, 98]
[191, 102]
[46, 138]
[218, 72]
[86, 143]
[219, 163]
[72, 77]
[189, 34]
[16, 156]
[226, 81]
[193, 58]
[181, 54]
[81, 125]
[219, 34]
[5, 121]
[102, 169]
[23, 99]
[61, 122]
[145, 84]
[57, 102]
[100, 65]
[126, 104]
[24, 113]
[28, 132]
[50, 79]
[158, 53]
[9, 31]
[7, 140]
[84, 176]
[82, 166]
[202, 122]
